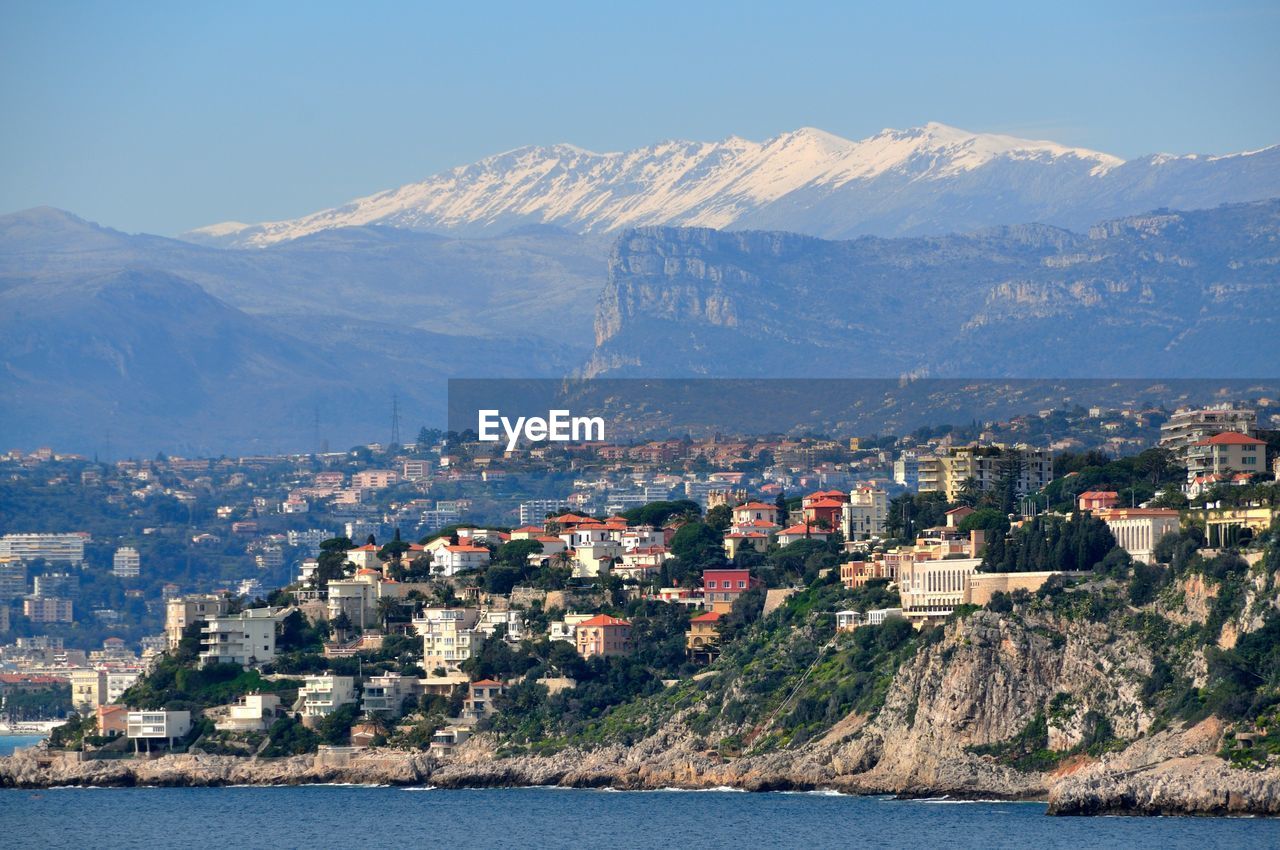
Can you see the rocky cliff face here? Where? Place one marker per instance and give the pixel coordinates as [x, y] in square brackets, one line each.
[946, 714]
[1153, 291]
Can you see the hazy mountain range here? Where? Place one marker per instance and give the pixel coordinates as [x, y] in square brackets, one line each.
[1171, 294]
[551, 261]
[926, 180]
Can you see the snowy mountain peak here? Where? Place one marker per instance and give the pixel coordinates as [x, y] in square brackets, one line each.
[807, 180]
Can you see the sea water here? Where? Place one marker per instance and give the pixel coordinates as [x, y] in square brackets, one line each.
[370, 817]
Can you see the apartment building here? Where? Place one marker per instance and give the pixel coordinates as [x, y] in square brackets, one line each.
[322, 695]
[48, 609]
[126, 563]
[53, 548]
[449, 636]
[385, 694]
[721, 588]
[13, 579]
[906, 471]
[534, 511]
[245, 638]
[986, 464]
[1188, 426]
[1223, 456]
[182, 611]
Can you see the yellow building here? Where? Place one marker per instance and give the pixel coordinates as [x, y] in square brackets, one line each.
[702, 640]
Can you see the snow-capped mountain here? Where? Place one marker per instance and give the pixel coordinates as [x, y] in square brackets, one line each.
[930, 179]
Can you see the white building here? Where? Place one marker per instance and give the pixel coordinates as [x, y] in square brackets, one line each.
[126, 563]
[357, 598]
[906, 471]
[449, 636]
[512, 622]
[245, 638]
[309, 539]
[865, 514]
[1138, 530]
[932, 589]
[385, 694]
[877, 616]
[535, 511]
[53, 548]
[847, 621]
[323, 695]
[253, 713]
[449, 559]
[157, 725]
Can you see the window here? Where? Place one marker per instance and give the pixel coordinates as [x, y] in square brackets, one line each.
[741, 583]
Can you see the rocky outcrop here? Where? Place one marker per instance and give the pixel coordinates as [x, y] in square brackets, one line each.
[1170, 773]
[948, 710]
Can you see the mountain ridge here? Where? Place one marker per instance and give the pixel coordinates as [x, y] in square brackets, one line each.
[929, 179]
[1156, 292]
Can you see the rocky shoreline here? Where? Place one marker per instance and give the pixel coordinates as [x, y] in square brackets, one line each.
[1191, 782]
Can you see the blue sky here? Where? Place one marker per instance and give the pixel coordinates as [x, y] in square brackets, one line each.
[160, 117]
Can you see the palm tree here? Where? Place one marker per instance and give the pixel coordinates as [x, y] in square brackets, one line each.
[387, 608]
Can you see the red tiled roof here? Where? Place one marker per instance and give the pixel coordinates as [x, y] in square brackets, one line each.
[756, 506]
[803, 529]
[486, 683]
[604, 620]
[1231, 438]
[709, 617]
[568, 518]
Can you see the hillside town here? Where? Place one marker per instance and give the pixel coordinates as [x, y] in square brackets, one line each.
[276, 606]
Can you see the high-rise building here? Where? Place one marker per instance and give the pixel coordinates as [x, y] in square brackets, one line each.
[126, 563]
[13, 580]
[906, 471]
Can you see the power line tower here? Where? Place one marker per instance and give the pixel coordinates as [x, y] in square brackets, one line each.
[395, 420]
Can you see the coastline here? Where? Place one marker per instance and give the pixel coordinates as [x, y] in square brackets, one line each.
[1194, 785]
